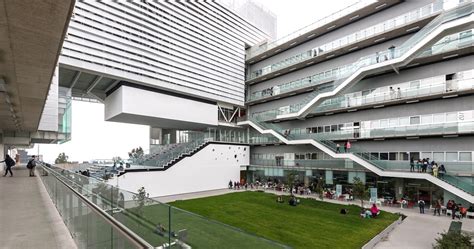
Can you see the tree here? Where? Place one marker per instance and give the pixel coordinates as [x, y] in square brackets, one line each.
[291, 178]
[62, 158]
[141, 198]
[319, 190]
[453, 240]
[136, 153]
[359, 190]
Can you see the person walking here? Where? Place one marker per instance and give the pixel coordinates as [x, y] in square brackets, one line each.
[338, 148]
[9, 163]
[347, 146]
[418, 165]
[412, 164]
[442, 170]
[421, 205]
[437, 208]
[31, 165]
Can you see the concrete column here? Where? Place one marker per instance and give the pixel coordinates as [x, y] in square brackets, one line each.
[399, 188]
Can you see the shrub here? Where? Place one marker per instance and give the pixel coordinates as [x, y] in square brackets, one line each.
[451, 240]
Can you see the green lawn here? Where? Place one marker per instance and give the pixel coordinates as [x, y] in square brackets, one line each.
[312, 224]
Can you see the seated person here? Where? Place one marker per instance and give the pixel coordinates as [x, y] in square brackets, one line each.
[344, 211]
[160, 229]
[280, 199]
[292, 201]
[368, 214]
[374, 210]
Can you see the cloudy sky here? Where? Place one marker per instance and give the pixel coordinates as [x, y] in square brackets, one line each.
[94, 138]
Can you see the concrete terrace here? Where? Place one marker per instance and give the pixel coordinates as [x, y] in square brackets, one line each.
[28, 217]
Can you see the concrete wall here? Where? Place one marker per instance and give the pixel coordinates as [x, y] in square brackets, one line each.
[49, 117]
[133, 105]
[209, 169]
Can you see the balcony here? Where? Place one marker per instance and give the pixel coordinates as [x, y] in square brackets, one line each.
[387, 30]
[343, 17]
[460, 43]
[441, 129]
[443, 49]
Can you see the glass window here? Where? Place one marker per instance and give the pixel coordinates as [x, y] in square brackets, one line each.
[314, 156]
[327, 128]
[383, 156]
[320, 129]
[415, 120]
[465, 156]
[426, 119]
[374, 155]
[438, 156]
[404, 121]
[415, 155]
[451, 156]
[392, 156]
[439, 118]
[426, 155]
[403, 156]
[451, 117]
[333, 128]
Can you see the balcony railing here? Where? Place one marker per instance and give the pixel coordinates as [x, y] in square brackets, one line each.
[401, 131]
[389, 25]
[453, 168]
[443, 46]
[254, 51]
[99, 215]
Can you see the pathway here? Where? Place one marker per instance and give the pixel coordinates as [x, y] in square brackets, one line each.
[28, 217]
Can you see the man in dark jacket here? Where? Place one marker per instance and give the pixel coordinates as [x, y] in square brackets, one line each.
[9, 163]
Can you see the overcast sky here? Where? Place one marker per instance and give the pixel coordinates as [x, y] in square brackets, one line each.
[94, 138]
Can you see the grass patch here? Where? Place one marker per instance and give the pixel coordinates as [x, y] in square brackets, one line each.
[312, 224]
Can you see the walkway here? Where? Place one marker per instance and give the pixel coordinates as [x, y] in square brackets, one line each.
[28, 217]
[417, 231]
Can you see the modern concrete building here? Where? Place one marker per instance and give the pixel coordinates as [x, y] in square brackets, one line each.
[392, 78]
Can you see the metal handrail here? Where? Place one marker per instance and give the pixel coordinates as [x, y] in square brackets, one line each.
[133, 237]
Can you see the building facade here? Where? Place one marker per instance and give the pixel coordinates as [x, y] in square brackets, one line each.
[396, 85]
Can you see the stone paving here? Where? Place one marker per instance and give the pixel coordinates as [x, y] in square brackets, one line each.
[28, 217]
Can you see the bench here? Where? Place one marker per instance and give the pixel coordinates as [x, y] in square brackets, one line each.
[455, 227]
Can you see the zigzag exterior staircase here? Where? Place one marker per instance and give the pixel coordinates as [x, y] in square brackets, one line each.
[439, 27]
[449, 22]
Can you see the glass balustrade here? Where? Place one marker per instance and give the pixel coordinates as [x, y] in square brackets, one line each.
[256, 50]
[359, 152]
[348, 40]
[444, 45]
[308, 164]
[160, 225]
[402, 131]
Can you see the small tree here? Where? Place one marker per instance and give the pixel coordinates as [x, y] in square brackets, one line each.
[359, 190]
[62, 158]
[453, 240]
[141, 198]
[319, 190]
[291, 178]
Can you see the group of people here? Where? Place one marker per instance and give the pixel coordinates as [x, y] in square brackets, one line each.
[373, 212]
[395, 94]
[457, 210]
[347, 147]
[424, 165]
[10, 162]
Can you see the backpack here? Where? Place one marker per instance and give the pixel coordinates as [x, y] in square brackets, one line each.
[9, 162]
[31, 164]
